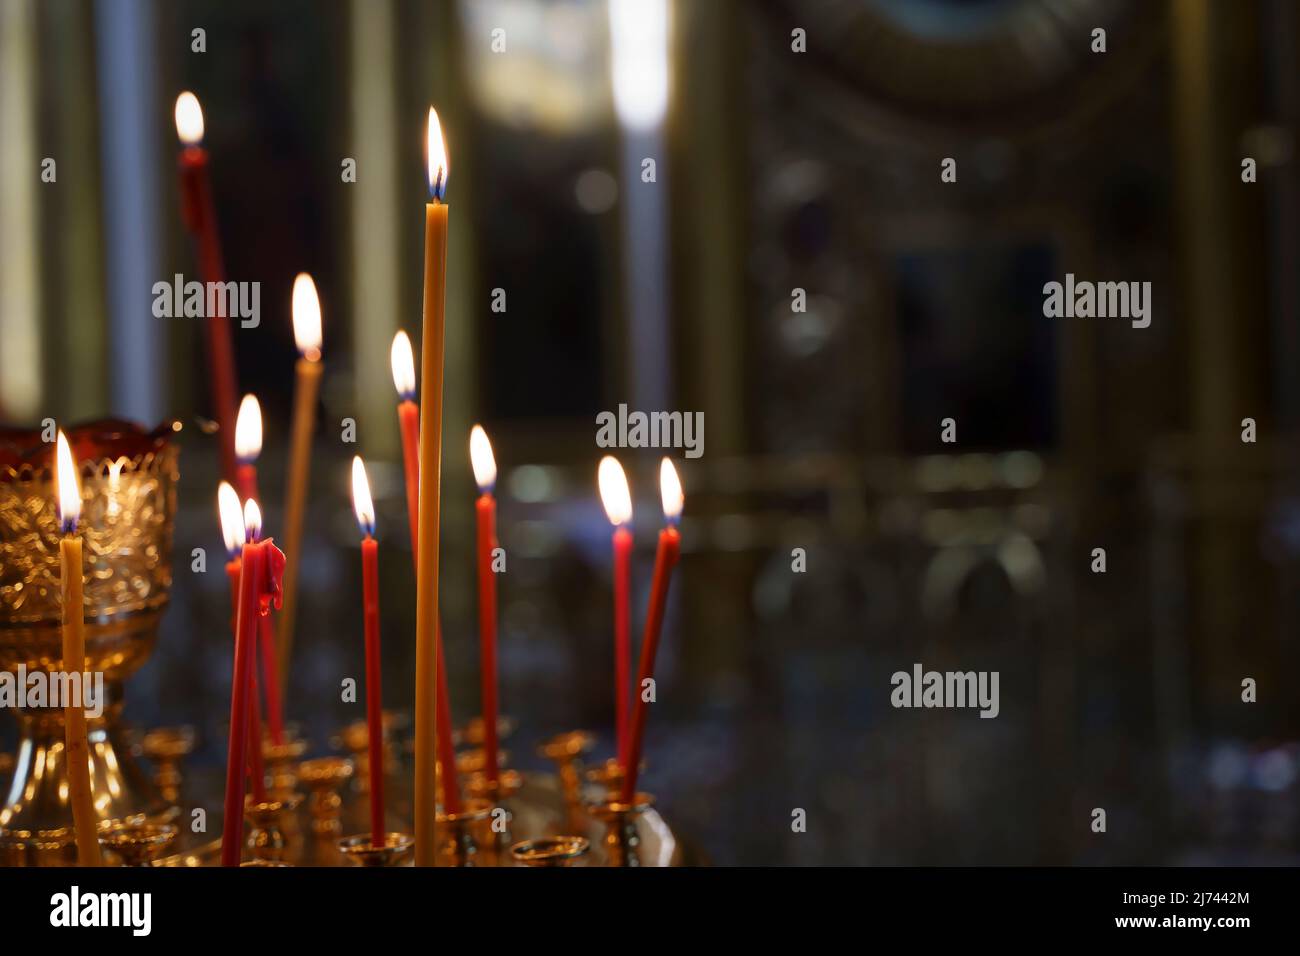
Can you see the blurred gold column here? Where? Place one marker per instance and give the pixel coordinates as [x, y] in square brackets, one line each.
[21, 385]
[376, 222]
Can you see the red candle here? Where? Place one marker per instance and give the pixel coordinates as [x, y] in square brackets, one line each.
[199, 215]
[665, 559]
[232, 530]
[408, 419]
[365, 509]
[271, 678]
[617, 498]
[485, 474]
[261, 566]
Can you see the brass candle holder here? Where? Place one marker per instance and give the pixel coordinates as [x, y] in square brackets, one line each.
[567, 750]
[494, 834]
[456, 845]
[281, 764]
[266, 826]
[471, 735]
[167, 747]
[609, 775]
[360, 850]
[137, 843]
[470, 762]
[622, 839]
[128, 487]
[323, 777]
[558, 851]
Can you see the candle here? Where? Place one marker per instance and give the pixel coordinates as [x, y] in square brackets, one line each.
[426, 599]
[307, 375]
[669, 550]
[408, 419]
[248, 445]
[261, 567]
[77, 753]
[617, 498]
[485, 475]
[200, 219]
[233, 534]
[365, 509]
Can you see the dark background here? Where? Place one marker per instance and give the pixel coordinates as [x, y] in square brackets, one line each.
[777, 170]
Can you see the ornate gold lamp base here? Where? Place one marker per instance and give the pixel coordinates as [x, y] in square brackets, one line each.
[35, 823]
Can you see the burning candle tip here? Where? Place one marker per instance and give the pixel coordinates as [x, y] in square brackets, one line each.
[248, 430]
[252, 521]
[482, 460]
[402, 358]
[362, 503]
[68, 483]
[670, 489]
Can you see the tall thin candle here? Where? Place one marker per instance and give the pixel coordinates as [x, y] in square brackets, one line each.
[307, 376]
[485, 509]
[365, 510]
[77, 747]
[426, 599]
[408, 419]
[261, 567]
[232, 533]
[199, 215]
[670, 542]
[617, 499]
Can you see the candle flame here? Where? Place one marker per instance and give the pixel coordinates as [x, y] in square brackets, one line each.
[189, 119]
[614, 492]
[436, 148]
[252, 520]
[482, 459]
[68, 482]
[403, 360]
[670, 488]
[232, 519]
[248, 430]
[306, 317]
[362, 503]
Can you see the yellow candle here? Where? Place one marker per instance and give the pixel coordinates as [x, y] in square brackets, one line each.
[77, 748]
[426, 596]
[307, 335]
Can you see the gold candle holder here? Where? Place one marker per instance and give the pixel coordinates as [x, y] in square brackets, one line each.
[323, 777]
[566, 750]
[558, 851]
[456, 845]
[609, 775]
[137, 843]
[469, 762]
[167, 747]
[471, 735]
[355, 739]
[281, 764]
[622, 840]
[266, 839]
[265, 863]
[128, 487]
[360, 850]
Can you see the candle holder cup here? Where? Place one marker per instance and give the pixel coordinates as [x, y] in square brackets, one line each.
[566, 751]
[323, 777]
[557, 851]
[167, 747]
[128, 488]
[281, 764]
[360, 850]
[266, 837]
[457, 845]
[137, 843]
[610, 776]
[472, 734]
[622, 840]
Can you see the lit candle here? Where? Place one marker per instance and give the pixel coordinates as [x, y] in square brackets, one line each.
[248, 446]
[77, 752]
[670, 542]
[365, 509]
[261, 567]
[485, 475]
[200, 219]
[617, 498]
[232, 533]
[307, 375]
[408, 419]
[426, 599]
